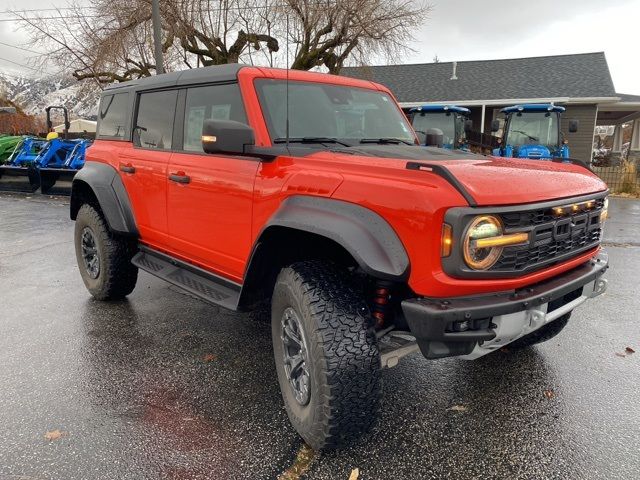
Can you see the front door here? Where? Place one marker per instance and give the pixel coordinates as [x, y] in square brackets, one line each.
[143, 166]
[210, 197]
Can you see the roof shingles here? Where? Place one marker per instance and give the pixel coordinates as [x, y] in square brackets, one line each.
[576, 76]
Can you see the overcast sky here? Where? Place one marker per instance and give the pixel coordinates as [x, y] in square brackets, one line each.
[477, 30]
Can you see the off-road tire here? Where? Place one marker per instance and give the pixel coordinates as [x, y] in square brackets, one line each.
[117, 275]
[543, 334]
[343, 358]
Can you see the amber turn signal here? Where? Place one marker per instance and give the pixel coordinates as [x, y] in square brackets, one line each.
[209, 138]
[447, 240]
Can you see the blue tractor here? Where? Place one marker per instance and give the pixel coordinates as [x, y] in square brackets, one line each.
[533, 131]
[451, 120]
[46, 165]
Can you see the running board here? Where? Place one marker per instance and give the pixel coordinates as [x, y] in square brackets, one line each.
[199, 282]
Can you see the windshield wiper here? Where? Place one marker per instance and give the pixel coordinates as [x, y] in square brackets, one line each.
[386, 140]
[531, 137]
[310, 140]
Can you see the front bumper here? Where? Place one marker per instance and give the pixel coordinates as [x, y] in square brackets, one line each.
[477, 325]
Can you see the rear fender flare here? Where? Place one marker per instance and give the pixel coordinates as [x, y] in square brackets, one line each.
[363, 233]
[107, 186]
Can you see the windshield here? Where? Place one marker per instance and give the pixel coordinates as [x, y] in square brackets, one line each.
[533, 128]
[319, 110]
[443, 120]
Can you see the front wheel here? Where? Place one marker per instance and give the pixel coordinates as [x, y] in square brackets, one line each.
[104, 259]
[326, 354]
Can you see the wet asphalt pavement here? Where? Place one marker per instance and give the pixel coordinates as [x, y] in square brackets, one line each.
[165, 386]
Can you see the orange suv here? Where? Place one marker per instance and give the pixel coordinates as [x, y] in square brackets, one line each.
[246, 185]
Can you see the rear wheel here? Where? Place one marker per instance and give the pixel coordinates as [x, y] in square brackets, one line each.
[326, 354]
[547, 332]
[104, 259]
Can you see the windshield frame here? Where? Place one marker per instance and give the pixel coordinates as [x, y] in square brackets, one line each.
[273, 135]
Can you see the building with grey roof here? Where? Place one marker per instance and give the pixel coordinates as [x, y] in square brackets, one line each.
[580, 82]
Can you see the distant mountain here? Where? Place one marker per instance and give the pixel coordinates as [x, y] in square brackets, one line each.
[34, 94]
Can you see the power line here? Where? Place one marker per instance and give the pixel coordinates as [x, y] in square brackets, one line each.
[21, 48]
[44, 9]
[62, 17]
[19, 64]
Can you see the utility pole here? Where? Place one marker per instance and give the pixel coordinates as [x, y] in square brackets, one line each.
[157, 40]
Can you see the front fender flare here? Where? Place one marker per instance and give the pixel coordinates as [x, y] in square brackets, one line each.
[363, 233]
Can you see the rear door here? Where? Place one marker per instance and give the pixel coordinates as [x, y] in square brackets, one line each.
[143, 166]
[210, 197]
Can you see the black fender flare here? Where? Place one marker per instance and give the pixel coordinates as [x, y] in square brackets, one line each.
[363, 233]
[107, 186]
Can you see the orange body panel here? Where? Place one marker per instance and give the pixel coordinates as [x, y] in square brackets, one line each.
[215, 220]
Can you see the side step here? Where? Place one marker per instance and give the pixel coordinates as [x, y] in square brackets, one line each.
[199, 282]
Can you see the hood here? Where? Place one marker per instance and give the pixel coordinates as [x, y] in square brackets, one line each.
[487, 180]
[503, 181]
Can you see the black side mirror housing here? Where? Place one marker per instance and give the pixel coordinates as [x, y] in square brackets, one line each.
[422, 137]
[468, 125]
[226, 136]
[495, 125]
[573, 126]
[434, 137]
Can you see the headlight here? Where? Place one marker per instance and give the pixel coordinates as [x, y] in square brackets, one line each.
[476, 255]
[605, 210]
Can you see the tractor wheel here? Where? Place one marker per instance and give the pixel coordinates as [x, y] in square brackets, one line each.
[104, 259]
[326, 354]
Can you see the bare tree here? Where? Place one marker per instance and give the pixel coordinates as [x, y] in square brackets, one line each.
[327, 33]
[111, 41]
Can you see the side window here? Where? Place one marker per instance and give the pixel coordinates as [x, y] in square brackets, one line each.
[113, 115]
[213, 102]
[154, 122]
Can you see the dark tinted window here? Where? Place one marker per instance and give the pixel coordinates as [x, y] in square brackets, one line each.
[213, 102]
[154, 123]
[113, 115]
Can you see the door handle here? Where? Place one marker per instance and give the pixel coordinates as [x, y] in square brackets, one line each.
[179, 177]
[128, 168]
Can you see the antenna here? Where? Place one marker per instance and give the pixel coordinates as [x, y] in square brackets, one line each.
[286, 127]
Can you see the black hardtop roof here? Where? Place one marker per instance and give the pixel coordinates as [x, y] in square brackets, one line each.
[217, 73]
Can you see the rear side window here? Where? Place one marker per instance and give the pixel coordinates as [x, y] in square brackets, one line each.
[154, 122]
[213, 102]
[113, 115]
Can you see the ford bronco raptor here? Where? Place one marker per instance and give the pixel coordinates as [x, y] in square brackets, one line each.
[309, 192]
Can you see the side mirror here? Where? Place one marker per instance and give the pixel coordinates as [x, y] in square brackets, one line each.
[468, 125]
[573, 126]
[226, 136]
[434, 137]
[495, 125]
[422, 137]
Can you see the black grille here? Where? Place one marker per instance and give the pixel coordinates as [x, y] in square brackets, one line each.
[512, 260]
[535, 217]
[545, 248]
